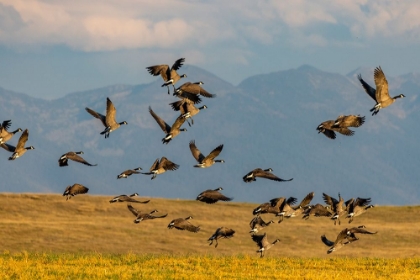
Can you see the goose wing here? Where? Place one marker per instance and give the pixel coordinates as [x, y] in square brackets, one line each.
[351, 120]
[73, 156]
[362, 201]
[261, 239]
[225, 232]
[22, 140]
[78, 189]
[329, 133]
[215, 152]
[163, 125]
[97, 115]
[133, 210]
[186, 225]
[326, 241]
[211, 196]
[150, 216]
[178, 63]
[189, 96]
[257, 221]
[277, 202]
[130, 199]
[381, 83]
[110, 113]
[177, 105]
[162, 70]
[154, 165]
[369, 90]
[196, 152]
[167, 164]
[5, 125]
[305, 202]
[330, 200]
[344, 131]
[205, 93]
[361, 230]
[268, 175]
[319, 210]
[8, 147]
[195, 89]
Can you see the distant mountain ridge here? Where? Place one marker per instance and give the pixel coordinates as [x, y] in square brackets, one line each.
[268, 120]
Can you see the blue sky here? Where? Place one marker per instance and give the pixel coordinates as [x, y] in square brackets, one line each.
[49, 48]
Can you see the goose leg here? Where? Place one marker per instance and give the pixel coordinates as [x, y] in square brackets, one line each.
[188, 122]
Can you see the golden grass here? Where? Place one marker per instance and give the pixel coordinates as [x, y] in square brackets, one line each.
[39, 223]
[131, 266]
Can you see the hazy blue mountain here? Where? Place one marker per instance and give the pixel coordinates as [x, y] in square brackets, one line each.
[268, 120]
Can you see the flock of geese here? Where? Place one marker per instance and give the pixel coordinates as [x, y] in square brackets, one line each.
[380, 95]
[190, 95]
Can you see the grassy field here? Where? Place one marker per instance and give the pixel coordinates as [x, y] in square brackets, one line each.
[90, 238]
[130, 266]
[49, 223]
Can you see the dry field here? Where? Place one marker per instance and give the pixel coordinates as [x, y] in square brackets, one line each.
[48, 223]
[46, 231]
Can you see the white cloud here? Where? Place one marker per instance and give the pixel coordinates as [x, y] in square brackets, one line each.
[107, 25]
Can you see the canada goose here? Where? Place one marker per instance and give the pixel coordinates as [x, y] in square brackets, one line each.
[381, 94]
[183, 224]
[274, 206]
[127, 198]
[286, 208]
[6, 135]
[304, 204]
[257, 224]
[63, 160]
[351, 120]
[171, 132]
[289, 211]
[266, 173]
[358, 207]
[263, 243]
[169, 75]
[205, 161]
[346, 236]
[109, 120]
[129, 172]
[74, 190]
[20, 148]
[212, 196]
[317, 210]
[337, 206]
[221, 232]
[187, 108]
[159, 167]
[266, 208]
[328, 129]
[5, 125]
[191, 91]
[143, 216]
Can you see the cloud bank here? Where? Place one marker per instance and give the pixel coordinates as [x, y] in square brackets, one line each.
[109, 25]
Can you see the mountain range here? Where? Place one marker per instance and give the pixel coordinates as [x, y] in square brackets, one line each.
[268, 120]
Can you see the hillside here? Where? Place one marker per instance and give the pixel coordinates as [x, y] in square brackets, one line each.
[86, 223]
[268, 120]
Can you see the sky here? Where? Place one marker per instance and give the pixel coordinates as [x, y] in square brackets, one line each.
[49, 48]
